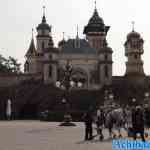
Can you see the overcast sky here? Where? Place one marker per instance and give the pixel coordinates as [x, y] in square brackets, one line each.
[18, 17]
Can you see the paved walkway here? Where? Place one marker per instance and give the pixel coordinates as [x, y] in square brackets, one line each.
[36, 135]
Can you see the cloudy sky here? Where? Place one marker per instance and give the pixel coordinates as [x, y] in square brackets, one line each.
[18, 17]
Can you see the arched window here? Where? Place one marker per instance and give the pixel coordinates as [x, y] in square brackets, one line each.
[50, 57]
[43, 45]
[106, 56]
[106, 71]
[50, 71]
[135, 56]
[94, 43]
[26, 67]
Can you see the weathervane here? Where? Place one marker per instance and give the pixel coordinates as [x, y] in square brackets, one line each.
[43, 10]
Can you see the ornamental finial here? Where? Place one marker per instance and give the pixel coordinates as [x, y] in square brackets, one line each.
[77, 31]
[43, 10]
[133, 23]
[95, 4]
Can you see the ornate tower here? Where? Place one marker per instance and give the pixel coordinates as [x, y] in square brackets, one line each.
[44, 34]
[96, 33]
[50, 63]
[133, 52]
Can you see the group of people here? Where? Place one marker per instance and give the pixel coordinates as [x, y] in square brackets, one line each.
[133, 119]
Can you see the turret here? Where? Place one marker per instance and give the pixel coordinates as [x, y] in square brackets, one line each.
[133, 52]
[96, 31]
[44, 34]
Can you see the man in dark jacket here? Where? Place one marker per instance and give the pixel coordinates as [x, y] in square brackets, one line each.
[88, 119]
[138, 123]
[147, 117]
[100, 122]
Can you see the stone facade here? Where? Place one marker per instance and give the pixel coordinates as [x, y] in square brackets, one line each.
[133, 51]
[90, 58]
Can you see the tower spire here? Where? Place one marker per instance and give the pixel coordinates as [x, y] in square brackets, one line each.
[32, 50]
[43, 10]
[95, 4]
[32, 33]
[77, 40]
[133, 23]
[43, 18]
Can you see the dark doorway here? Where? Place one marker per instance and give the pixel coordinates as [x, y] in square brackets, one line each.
[29, 111]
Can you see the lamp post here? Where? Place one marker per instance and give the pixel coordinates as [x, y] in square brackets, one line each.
[66, 84]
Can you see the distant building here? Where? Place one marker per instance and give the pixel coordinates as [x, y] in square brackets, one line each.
[91, 58]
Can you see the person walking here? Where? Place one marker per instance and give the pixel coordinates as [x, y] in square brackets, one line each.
[128, 118]
[88, 120]
[147, 117]
[138, 123]
[100, 122]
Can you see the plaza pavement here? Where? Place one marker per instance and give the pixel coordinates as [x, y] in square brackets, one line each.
[36, 135]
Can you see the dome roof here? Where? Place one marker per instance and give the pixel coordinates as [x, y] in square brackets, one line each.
[133, 34]
[95, 20]
[43, 25]
[96, 24]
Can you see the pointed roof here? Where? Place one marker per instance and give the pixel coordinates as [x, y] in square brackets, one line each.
[44, 19]
[43, 25]
[95, 19]
[133, 34]
[77, 40]
[32, 50]
[95, 24]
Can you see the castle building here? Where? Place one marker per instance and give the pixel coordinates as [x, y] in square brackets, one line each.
[90, 58]
[92, 65]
